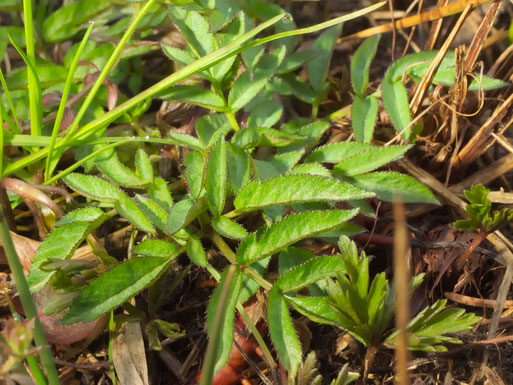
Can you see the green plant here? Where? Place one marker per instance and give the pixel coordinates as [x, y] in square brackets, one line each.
[308, 374]
[393, 91]
[481, 215]
[254, 185]
[351, 302]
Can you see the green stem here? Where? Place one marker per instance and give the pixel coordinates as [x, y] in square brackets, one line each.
[35, 98]
[110, 63]
[111, 344]
[232, 258]
[27, 302]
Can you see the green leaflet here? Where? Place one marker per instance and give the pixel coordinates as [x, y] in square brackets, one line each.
[288, 189]
[318, 67]
[295, 60]
[194, 95]
[155, 248]
[364, 113]
[195, 252]
[127, 208]
[361, 63]
[234, 31]
[92, 187]
[114, 287]
[185, 140]
[369, 160]
[110, 165]
[152, 211]
[210, 127]
[194, 28]
[265, 114]
[252, 137]
[247, 86]
[239, 168]
[143, 166]
[68, 20]
[159, 192]
[396, 104]
[184, 212]
[177, 55]
[227, 307]
[311, 169]
[290, 230]
[86, 214]
[388, 184]
[215, 183]
[282, 332]
[316, 308]
[285, 161]
[60, 244]
[309, 272]
[337, 152]
[194, 175]
[228, 229]
[430, 327]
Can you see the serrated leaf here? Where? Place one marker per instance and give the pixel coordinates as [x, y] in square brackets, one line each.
[70, 19]
[309, 272]
[364, 113]
[114, 287]
[292, 229]
[155, 248]
[86, 214]
[228, 308]
[316, 308]
[369, 160]
[361, 63]
[318, 67]
[60, 244]
[184, 212]
[285, 161]
[128, 209]
[156, 214]
[265, 114]
[228, 229]
[289, 189]
[194, 175]
[396, 104]
[233, 31]
[194, 95]
[185, 140]
[282, 332]
[196, 252]
[247, 86]
[239, 169]
[110, 165]
[215, 183]
[252, 137]
[92, 187]
[210, 127]
[312, 132]
[311, 169]
[388, 184]
[195, 30]
[159, 192]
[295, 61]
[177, 55]
[337, 152]
[143, 166]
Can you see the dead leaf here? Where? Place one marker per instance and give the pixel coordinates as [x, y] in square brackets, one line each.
[129, 355]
